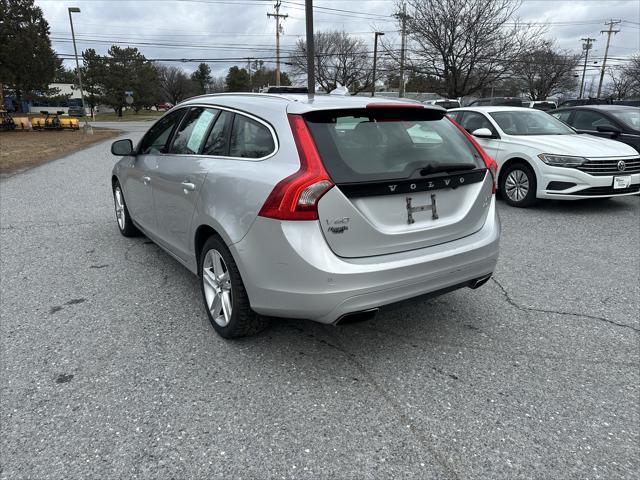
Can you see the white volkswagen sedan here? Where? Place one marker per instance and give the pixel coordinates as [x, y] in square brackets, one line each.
[540, 157]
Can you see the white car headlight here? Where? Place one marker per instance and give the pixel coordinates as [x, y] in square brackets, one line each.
[562, 160]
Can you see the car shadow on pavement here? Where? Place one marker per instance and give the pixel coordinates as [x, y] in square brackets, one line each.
[570, 207]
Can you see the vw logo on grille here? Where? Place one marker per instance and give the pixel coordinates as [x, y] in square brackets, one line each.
[622, 166]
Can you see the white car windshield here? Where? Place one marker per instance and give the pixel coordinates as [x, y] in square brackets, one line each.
[531, 122]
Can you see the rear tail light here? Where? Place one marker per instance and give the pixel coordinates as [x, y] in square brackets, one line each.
[490, 163]
[296, 197]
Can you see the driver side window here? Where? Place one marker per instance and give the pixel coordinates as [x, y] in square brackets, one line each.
[588, 120]
[157, 138]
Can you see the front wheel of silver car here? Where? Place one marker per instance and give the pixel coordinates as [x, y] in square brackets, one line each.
[518, 185]
[125, 224]
[225, 298]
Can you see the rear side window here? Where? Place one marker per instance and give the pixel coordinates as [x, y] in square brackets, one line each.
[250, 139]
[218, 139]
[371, 145]
[192, 130]
[157, 138]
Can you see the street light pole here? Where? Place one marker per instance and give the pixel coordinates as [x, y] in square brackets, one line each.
[375, 59]
[75, 50]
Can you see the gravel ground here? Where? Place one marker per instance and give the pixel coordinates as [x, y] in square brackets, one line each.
[110, 369]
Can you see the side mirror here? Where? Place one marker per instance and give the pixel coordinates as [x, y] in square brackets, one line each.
[482, 133]
[122, 148]
[615, 131]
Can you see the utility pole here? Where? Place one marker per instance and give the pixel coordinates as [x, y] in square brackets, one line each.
[586, 46]
[311, 70]
[403, 42]
[277, 16]
[375, 59]
[611, 23]
[249, 71]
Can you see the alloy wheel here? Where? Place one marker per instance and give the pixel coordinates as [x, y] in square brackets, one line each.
[517, 185]
[217, 287]
[120, 213]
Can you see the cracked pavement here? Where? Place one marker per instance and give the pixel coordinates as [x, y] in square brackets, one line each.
[110, 368]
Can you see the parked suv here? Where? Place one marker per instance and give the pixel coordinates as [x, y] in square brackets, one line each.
[497, 101]
[310, 209]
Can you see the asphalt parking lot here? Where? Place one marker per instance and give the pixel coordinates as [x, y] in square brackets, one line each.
[110, 368]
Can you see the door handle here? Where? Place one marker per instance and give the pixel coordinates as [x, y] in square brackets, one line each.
[188, 186]
[146, 180]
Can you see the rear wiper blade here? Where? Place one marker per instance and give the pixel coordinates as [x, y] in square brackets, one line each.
[449, 167]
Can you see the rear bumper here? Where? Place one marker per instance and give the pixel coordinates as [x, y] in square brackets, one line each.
[289, 270]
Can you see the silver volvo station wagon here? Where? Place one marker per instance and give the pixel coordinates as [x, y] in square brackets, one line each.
[322, 208]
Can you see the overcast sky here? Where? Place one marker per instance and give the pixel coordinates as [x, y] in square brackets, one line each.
[223, 29]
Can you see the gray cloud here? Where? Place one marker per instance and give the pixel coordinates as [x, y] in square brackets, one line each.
[218, 29]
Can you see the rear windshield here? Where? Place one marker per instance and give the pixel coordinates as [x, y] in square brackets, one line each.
[369, 145]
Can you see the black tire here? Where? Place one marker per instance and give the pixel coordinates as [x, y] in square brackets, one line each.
[244, 321]
[126, 227]
[526, 173]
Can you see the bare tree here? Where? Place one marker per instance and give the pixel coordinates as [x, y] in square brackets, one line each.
[174, 83]
[622, 84]
[546, 72]
[469, 44]
[625, 79]
[340, 59]
[216, 85]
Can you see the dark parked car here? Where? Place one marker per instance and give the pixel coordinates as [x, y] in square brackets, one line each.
[543, 105]
[446, 104]
[497, 101]
[617, 122]
[574, 102]
[629, 103]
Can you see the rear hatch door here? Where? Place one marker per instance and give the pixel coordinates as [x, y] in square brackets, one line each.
[406, 178]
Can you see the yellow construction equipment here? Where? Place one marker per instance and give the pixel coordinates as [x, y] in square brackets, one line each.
[22, 123]
[55, 121]
[6, 121]
[70, 123]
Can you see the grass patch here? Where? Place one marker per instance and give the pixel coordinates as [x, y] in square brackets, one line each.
[20, 150]
[127, 116]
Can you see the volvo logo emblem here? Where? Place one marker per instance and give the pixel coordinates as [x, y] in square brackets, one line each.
[622, 166]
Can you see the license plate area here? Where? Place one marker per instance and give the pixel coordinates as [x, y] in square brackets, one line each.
[411, 209]
[621, 182]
